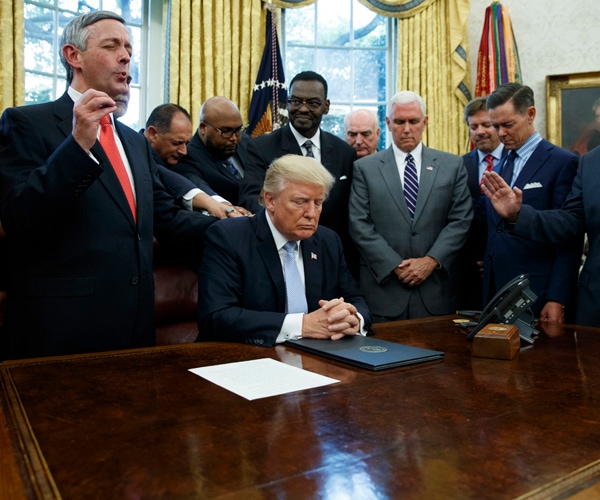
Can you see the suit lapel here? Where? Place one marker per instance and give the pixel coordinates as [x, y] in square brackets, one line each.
[270, 256]
[535, 162]
[313, 271]
[391, 178]
[63, 111]
[289, 144]
[429, 170]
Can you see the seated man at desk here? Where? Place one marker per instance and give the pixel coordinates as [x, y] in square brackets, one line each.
[258, 286]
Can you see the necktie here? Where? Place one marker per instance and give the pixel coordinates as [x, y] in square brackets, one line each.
[107, 140]
[294, 288]
[411, 185]
[509, 167]
[489, 166]
[229, 165]
[308, 146]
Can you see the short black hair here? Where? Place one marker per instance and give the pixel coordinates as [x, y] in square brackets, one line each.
[310, 76]
[162, 116]
[521, 95]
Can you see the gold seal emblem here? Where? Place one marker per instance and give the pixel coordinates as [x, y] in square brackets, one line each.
[372, 348]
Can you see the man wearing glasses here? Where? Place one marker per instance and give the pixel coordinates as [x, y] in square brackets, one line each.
[307, 103]
[216, 155]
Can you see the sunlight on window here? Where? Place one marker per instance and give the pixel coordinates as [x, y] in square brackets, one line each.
[350, 46]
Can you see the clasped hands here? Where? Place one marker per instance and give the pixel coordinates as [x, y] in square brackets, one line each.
[412, 272]
[333, 320]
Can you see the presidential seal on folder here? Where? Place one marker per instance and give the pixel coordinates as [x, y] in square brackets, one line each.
[367, 352]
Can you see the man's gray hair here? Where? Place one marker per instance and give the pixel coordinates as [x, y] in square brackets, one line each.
[406, 97]
[76, 33]
[295, 168]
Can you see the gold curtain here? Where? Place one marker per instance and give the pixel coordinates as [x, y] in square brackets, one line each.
[432, 61]
[214, 48]
[12, 75]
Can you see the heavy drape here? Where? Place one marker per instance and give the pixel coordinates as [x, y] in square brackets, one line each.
[12, 74]
[432, 60]
[214, 48]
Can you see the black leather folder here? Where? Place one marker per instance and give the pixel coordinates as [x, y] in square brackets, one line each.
[367, 352]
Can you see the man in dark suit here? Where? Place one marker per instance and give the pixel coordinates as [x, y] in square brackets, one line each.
[306, 106]
[486, 155]
[410, 213]
[578, 215]
[256, 290]
[169, 130]
[216, 155]
[544, 173]
[80, 236]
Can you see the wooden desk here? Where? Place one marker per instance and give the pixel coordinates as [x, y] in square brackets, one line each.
[138, 424]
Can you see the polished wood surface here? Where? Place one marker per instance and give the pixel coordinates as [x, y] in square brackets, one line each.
[138, 424]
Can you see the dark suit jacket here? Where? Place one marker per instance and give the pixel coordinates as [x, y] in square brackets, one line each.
[336, 156]
[201, 166]
[242, 285]
[545, 180]
[579, 214]
[81, 268]
[469, 281]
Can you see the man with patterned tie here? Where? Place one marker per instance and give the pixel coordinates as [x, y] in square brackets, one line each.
[279, 275]
[410, 213]
[80, 226]
[544, 173]
[307, 104]
[216, 155]
[487, 153]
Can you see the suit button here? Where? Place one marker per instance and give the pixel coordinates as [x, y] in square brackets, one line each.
[135, 280]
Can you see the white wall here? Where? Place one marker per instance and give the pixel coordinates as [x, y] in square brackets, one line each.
[553, 37]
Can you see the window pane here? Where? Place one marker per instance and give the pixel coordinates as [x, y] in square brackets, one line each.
[300, 25]
[336, 67]
[136, 42]
[78, 6]
[369, 28]
[39, 39]
[38, 88]
[333, 22]
[298, 59]
[369, 75]
[130, 10]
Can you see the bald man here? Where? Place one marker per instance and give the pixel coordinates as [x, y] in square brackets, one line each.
[217, 152]
[361, 131]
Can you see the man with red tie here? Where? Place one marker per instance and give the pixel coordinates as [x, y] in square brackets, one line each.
[80, 213]
[487, 153]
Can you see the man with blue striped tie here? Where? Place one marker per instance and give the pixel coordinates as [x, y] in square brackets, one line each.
[410, 213]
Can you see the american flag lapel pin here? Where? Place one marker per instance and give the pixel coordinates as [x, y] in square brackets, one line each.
[313, 256]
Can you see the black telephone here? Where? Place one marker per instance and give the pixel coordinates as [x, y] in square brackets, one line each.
[511, 305]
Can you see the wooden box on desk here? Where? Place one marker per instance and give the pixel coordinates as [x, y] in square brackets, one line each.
[496, 341]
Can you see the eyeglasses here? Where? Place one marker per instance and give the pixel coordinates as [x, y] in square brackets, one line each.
[310, 103]
[228, 134]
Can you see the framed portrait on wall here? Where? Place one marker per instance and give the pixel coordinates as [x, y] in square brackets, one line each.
[573, 111]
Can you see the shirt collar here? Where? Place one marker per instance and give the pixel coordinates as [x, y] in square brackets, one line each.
[280, 239]
[316, 139]
[497, 153]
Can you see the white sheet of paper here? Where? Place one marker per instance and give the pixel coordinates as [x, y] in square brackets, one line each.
[261, 378]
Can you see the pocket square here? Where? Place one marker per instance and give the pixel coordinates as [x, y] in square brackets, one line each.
[343, 177]
[533, 185]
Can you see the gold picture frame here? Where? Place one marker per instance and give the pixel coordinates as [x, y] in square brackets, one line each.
[570, 120]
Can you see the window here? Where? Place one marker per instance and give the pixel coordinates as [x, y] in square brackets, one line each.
[351, 46]
[44, 23]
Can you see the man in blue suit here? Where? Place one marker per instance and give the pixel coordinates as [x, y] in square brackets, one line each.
[80, 235]
[544, 173]
[577, 216]
[247, 277]
[487, 153]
